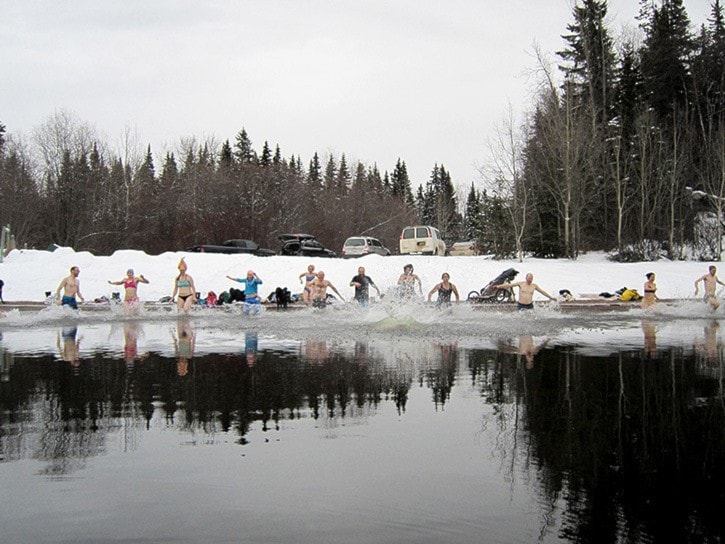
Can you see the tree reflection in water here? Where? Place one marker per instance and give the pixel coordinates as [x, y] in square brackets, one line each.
[627, 447]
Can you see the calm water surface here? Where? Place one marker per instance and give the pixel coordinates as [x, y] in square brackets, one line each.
[413, 426]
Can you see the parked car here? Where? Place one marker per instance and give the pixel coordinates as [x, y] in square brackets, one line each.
[357, 246]
[422, 239]
[303, 244]
[464, 248]
[234, 246]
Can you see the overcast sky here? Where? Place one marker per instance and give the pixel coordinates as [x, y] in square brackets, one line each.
[422, 80]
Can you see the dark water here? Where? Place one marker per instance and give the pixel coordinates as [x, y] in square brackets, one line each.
[192, 431]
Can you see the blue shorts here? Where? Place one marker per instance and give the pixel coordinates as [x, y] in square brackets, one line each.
[69, 301]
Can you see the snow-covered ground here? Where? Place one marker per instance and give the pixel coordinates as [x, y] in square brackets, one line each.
[28, 274]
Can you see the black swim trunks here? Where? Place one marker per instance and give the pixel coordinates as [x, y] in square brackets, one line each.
[529, 306]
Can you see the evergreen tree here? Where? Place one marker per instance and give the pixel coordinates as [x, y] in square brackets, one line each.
[330, 174]
[314, 173]
[226, 157]
[400, 183]
[665, 54]
[266, 159]
[342, 182]
[243, 149]
[589, 58]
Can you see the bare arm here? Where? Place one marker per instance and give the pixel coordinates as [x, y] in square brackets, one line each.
[547, 295]
[116, 282]
[336, 291]
[435, 288]
[141, 279]
[78, 291]
[697, 281]
[60, 287]
[455, 292]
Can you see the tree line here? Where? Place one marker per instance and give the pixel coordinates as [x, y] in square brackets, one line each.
[624, 151]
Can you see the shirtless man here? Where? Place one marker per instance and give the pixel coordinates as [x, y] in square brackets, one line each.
[526, 291]
[318, 288]
[710, 281]
[71, 289]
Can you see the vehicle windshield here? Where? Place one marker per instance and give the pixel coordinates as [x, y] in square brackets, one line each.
[354, 242]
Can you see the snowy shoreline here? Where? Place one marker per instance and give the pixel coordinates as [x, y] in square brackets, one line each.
[29, 274]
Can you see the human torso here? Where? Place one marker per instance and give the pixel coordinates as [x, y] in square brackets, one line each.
[364, 288]
[710, 282]
[319, 288]
[184, 284]
[526, 292]
[444, 292]
[70, 288]
[250, 287]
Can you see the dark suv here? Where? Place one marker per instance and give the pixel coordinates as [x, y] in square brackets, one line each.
[303, 244]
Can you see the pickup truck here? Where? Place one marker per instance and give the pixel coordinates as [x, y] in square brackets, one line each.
[234, 246]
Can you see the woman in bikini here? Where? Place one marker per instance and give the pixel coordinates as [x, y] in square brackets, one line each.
[308, 276]
[184, 286]
[650, 289]
[444, 289]
[130, 285]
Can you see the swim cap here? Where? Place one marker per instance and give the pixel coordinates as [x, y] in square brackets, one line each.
[250, 272]
[129, 271]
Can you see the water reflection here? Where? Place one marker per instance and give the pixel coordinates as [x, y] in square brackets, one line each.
[184, 342]
[649, 329]
[624, 447]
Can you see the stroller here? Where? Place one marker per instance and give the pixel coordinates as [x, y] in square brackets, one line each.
[489, 294]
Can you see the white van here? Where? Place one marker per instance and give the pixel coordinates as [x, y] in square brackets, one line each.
[422, 239]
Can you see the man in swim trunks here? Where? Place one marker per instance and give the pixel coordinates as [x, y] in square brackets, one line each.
[319, 286]
[710, 281]
[251, 296]
[71, 289]
[526, 292]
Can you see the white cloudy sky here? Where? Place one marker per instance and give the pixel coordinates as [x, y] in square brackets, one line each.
[423, 80]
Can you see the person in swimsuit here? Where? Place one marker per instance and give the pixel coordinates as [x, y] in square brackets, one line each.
[184, 286]
[650, 288]
[407, 281]
[71, 289]
[444, 289]
[527, 289]
[305, 279]
[251, 296]
[130, 285]
[710, 281]
[319, 286]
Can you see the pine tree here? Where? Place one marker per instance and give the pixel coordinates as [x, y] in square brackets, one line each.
[589, 58]
[665, 54]
[243, 149]
[314, 173]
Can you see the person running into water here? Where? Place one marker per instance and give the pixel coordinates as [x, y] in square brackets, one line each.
[318, 288]
[526, 292]
[71, 287]
[184, 286]
[444, 289]
[407, 281]
[251, 296]
[362, 284]
[305, 279]
[710, 281]
[650, 291]
[130, 285]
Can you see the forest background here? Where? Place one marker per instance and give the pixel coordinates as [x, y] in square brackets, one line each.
[623, 150]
